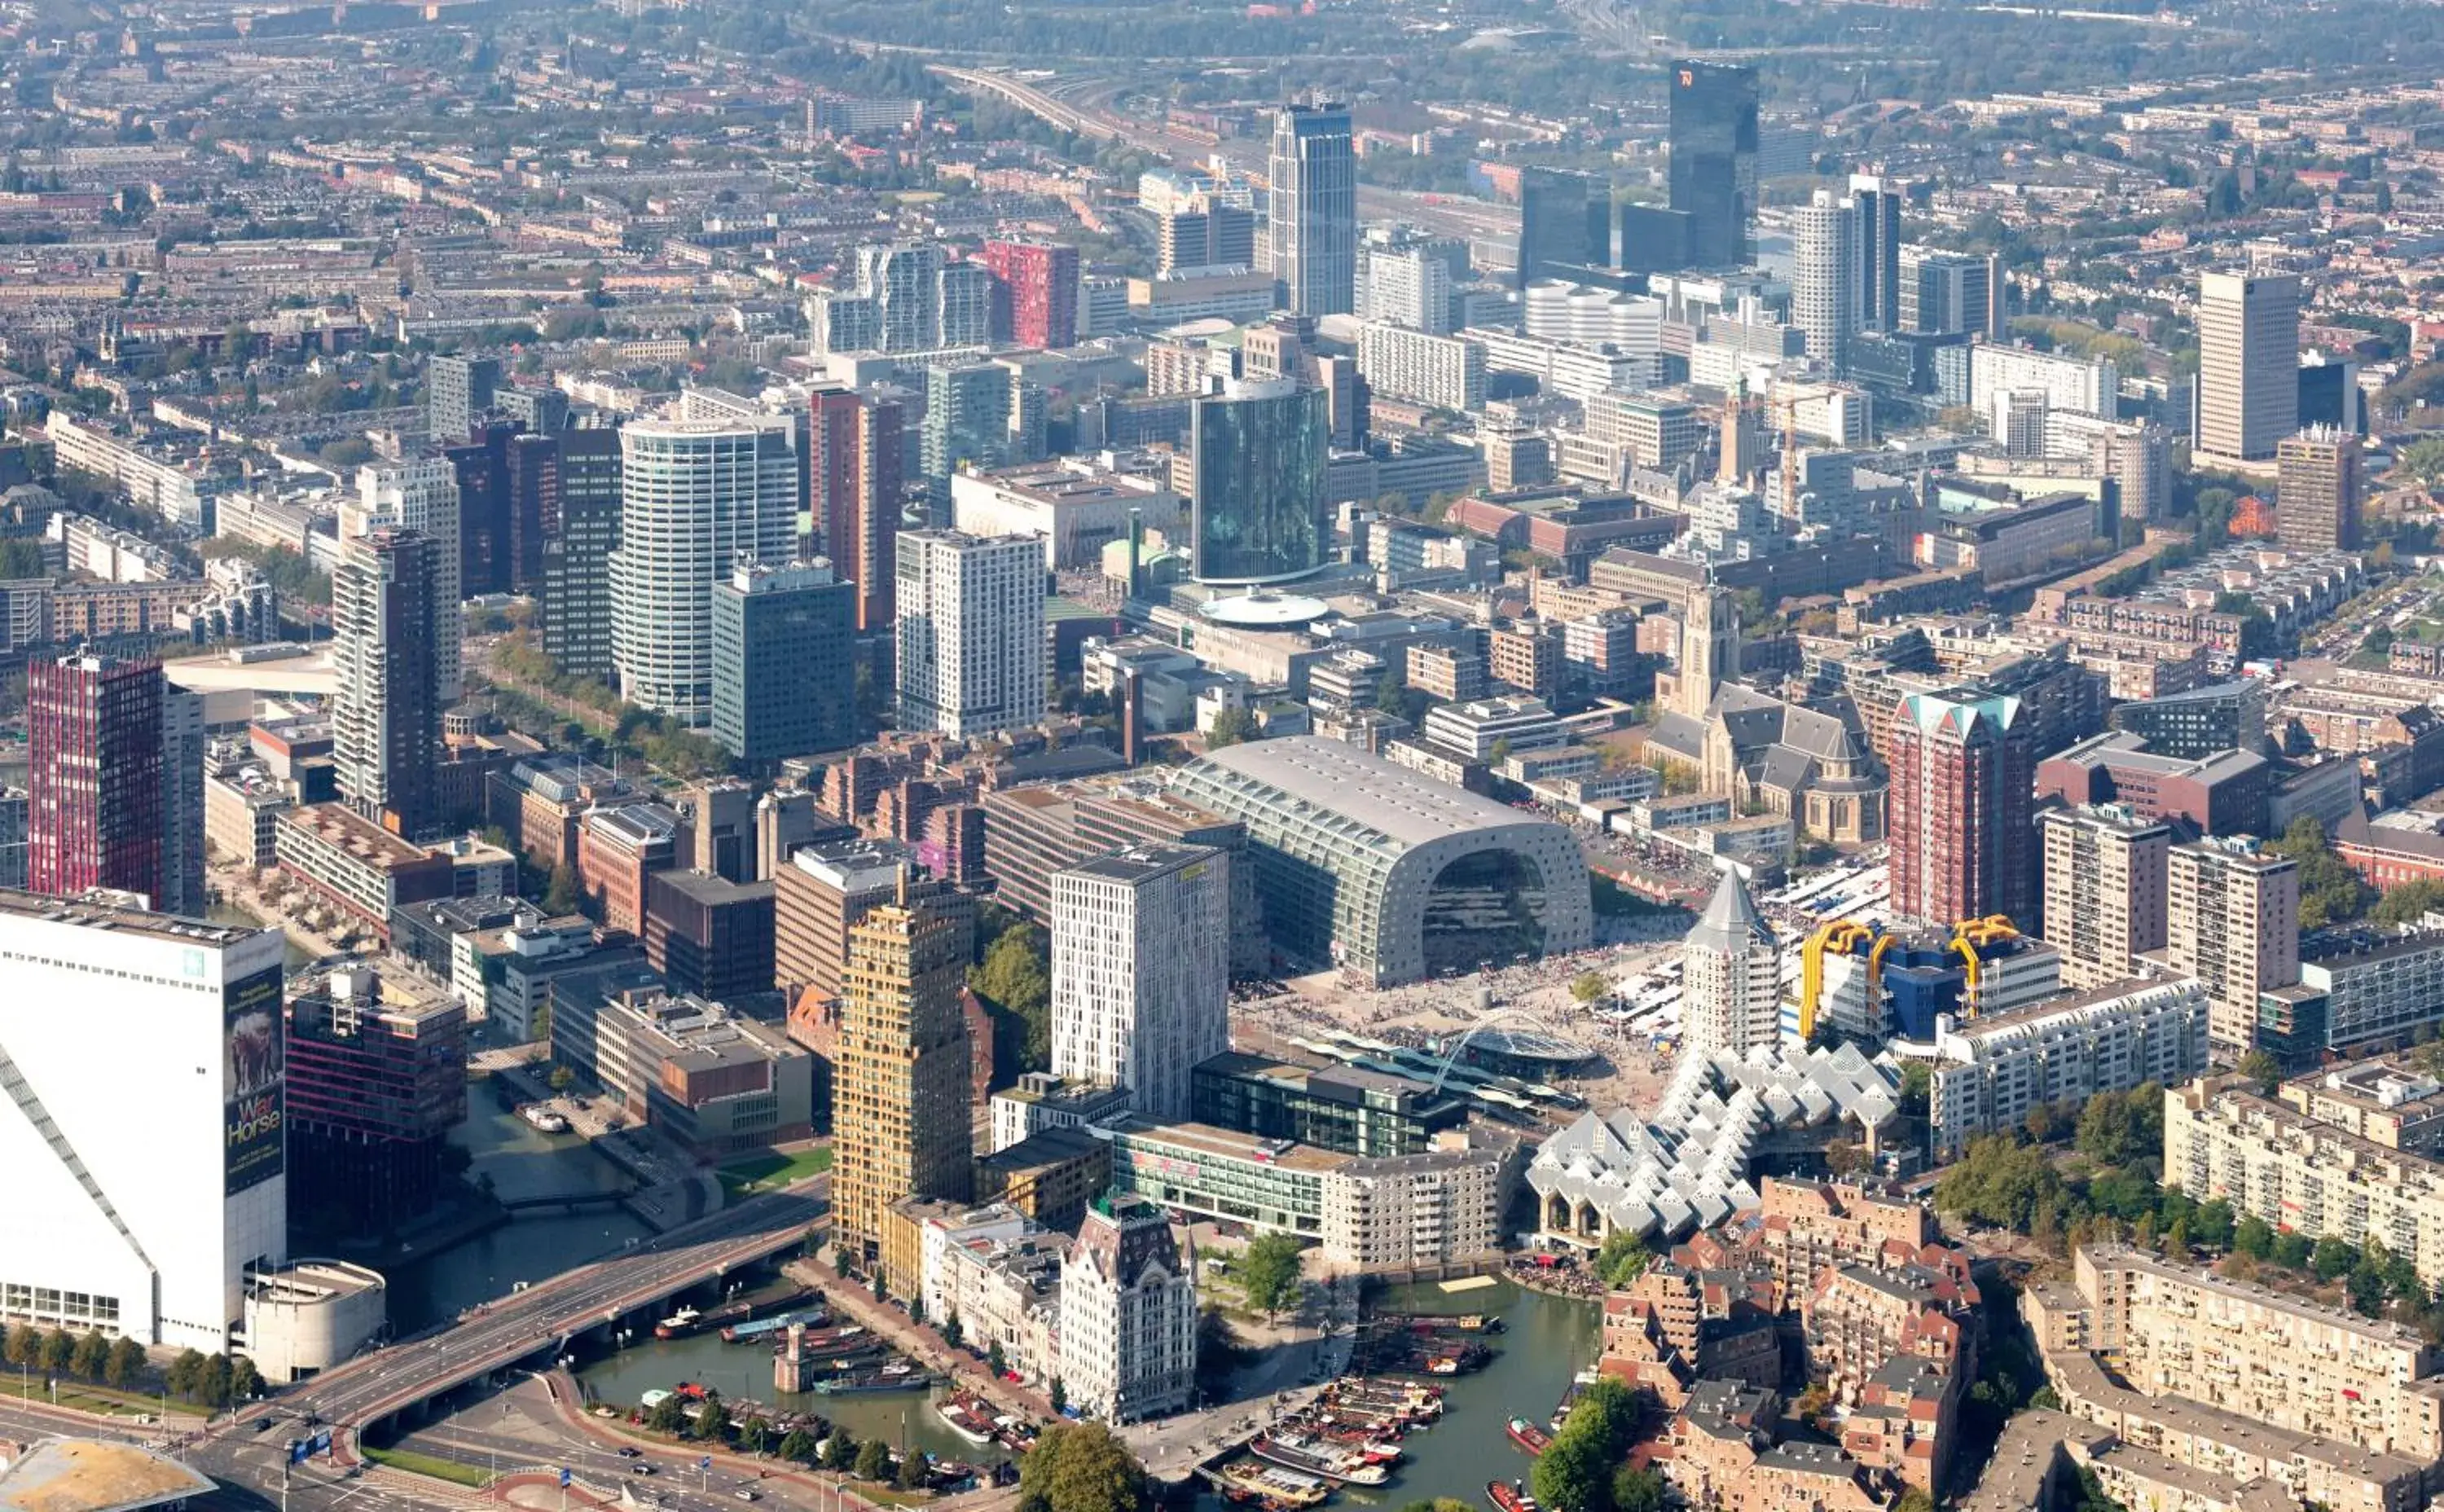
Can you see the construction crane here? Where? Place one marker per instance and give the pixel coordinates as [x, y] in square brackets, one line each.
[1786, 402]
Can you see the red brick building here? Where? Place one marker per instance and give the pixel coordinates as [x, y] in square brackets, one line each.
[1039, 281]
[1962, 809]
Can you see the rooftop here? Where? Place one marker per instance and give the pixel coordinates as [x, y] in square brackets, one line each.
[1343, 781]
[106, 913]
[89, 1475]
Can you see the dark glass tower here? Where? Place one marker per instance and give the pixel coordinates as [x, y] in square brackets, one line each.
[1714, 137]
[1259, 452]
[1565, 223]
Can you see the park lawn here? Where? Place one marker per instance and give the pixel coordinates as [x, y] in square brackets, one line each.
[771, 1169]
[109, 1403]
[425, 1465]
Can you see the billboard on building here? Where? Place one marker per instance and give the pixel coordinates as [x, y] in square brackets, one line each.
[256, 1063]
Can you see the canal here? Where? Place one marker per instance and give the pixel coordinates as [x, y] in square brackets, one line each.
[521, 1162]
[1545, 1341]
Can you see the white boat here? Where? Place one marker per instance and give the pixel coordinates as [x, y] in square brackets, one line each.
[544, 1118]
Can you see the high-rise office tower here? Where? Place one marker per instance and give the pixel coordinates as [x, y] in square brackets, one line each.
[1565, 223]
[1875, 244]
[387, 716]
[1825, 277]
[1036, 297]
[423, 496]
[1944, 292]
[377, 1081]
[1730, 975]
[1313, 209]
[856, 495]
[1213, 235]
[783, 661]
[1141, 970]
[2317, 496]
[576, 599]
[1713, 166]
[144, 1141]
[2233, 921]
[2104, 889]
[2248, 363]
[696, 496]
[900, 1087]
[185, 748]
[982, 414]
[94, 775]
[970, 632]
[1962, 795]
[1257, 452]
[486, 537]
[534, 465]
[1651, 239]
[457, 391]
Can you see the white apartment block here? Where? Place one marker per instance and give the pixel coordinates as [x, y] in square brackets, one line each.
[1414, 1210]
[2071, 383]
[970, 632]
[2233, 921]
[153, 483]
[144, 1186]
[1141, 971]
[1566, 368]
[1559, 311]
[1445, 372]
[1990, 1070]
[1128, 1315]
[2298, 1173]
[421, 495]
[1409, 287]
[2104, 890]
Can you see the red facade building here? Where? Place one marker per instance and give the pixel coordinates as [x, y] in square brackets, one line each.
[1039, 283]
[94, 818]
[1963, 808]
[855, 484]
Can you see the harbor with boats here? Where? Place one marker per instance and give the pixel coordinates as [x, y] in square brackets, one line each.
[1441, 1391]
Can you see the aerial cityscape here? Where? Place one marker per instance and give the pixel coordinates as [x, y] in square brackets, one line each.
[1068, 758]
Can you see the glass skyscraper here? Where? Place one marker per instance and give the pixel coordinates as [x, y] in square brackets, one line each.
[1258, 450]
[1313, 209]
[1714, 137]
[1565, 223]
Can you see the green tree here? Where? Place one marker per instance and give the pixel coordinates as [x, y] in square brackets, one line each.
[953, 1331]
[1015, 976]
[840, 1449]
[1230, 726]
[1081, 1467]
[712, 1421]
[995, 1360]
[562, 895]
[1622, 1259]
[126, 1363]
[2291, 1251]
[1914, 1499]
[1589, 986]
[1573, 1476]
[212, 1382]
[754, 1434]
[2424, 460]
[563, 1078]
[2262, 1068]
[180, 1377]
[916, 1472]
[1269, 1274]
[59, 1347]
[668, 1415]
[873, 1461]
[1643, 1490]
[91, 1353]
[1060, 1395]
[2333, 1258]
[245, 1382]
[797, 1446]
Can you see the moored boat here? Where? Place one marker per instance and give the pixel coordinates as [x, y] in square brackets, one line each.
[1311, 1457]
[1530, 1437]
[1506, 1497]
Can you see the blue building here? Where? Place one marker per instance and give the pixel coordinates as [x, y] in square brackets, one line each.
[783, 661]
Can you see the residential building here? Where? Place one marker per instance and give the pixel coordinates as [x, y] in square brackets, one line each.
[377, 1081]
[1312, 210]
[2104, 874]
[387, 621]
[2199, 721]
[978, 415]
[2366, 990]
[1946, 292]
[1440, 372]
[575, 603]
[1825, 277]
[901, 1104]
[423, 496]
[358, 866]
[2249, 364]
[2233, 921]
[1037, 285]
[856, 474]
[145, 1192]
[2317, 505]
[783, 661]
[710, 936]
[1962, 769]
[1991, 1070]
[96, 809]
[1141, 970]
[970, 632]
[1730, 975]
[1128, 1315]
[695, 497]
[1042, 1103]
[457, 391]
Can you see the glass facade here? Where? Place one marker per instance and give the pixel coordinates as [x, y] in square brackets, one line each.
[1259, 465]
[1565, 223]
[1714, 137]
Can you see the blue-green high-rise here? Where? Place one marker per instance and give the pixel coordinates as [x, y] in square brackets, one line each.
[1258, 449]
[783, 661]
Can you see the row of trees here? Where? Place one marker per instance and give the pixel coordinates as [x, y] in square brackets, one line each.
[839, 1451]
[117, 1364]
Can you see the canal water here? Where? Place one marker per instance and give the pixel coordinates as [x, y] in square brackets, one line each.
[1545, 1341]
[522, 1161]
[746, 1370]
